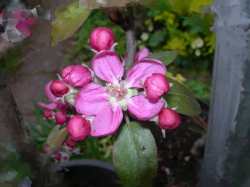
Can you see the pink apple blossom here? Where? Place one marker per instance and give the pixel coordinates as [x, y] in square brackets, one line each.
[156, 86]
[143, 53]
[59, 88]
[61, 117]
[78, 128]
[76, 75]
[70, 143]
[48, 114]
[55, 104]
[122, 92]
[102, 38]
[169, 119]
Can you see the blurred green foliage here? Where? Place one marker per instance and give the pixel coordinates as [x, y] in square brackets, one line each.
[97, 148]
[11, 60]
[39, 131]
[13, 169]
[183, 26]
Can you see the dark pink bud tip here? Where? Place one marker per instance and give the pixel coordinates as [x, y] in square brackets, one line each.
[58, 156]
[24, 28]
[70, 143]
[156, 86]
[61, 117]
[78, 128]
[102, 38]
[58, 88]
[48, 114]
[76, 75]
[169, 119]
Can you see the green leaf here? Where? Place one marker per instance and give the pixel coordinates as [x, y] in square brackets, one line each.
[135, 156]
[165, 56]
[68, 20]
[197, 24]
[182, 99]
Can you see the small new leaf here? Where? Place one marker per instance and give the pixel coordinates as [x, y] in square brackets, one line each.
[56, 138]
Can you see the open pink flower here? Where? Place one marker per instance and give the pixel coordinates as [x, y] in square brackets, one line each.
[107, 103]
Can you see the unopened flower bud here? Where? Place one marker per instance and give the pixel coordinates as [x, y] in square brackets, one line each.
[102, 38]
[48, 114]
[57, 156]
[58, 88]
[76, 75]
[70, 143]
[61, 117]
[78, 128]
[169, 119]
[156, 86]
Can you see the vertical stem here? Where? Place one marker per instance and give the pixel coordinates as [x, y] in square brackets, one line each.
[126, 19]
[130, 36]
[131, 47]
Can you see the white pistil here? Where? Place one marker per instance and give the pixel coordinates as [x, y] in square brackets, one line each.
[119, 94]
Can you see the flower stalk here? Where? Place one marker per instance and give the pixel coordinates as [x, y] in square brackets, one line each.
[131, 47]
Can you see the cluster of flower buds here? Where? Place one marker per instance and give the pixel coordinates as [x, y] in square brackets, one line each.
[68, 149]
[98, 97]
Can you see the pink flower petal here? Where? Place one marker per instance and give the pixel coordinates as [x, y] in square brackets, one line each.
[49, 94]
[24, 28]
[143, 53]
[142, 109]
[141, 71]
[91, 99]
[107, 121]
[108, 66]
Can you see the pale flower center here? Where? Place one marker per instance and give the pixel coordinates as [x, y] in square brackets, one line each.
[119, 94]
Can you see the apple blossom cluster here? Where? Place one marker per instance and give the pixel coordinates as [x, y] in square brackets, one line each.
[93, 101]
